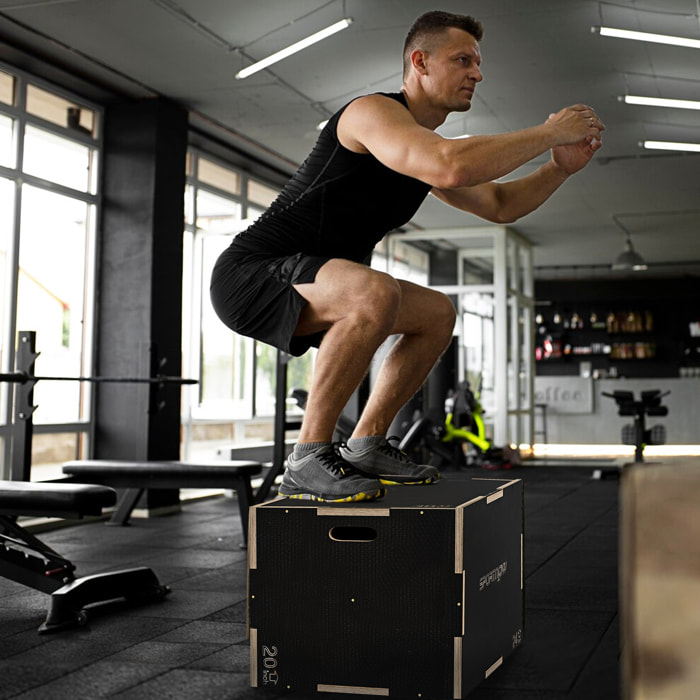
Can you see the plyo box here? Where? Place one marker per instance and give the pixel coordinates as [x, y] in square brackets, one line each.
[419, 594]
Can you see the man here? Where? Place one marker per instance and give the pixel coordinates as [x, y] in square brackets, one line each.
[295, 278]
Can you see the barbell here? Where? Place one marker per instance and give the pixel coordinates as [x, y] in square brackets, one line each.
[23, 378]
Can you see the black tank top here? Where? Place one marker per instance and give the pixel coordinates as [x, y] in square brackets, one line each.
[338, 204]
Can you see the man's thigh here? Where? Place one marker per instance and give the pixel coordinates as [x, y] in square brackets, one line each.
[340, 285]
[422, 309]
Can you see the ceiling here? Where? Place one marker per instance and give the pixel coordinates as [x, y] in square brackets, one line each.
[538, 56]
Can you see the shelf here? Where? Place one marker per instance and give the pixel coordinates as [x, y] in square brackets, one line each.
[572, 358]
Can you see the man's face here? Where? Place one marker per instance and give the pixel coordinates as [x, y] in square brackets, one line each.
[453, 70]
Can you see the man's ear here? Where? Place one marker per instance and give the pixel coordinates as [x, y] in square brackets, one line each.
[419, 60]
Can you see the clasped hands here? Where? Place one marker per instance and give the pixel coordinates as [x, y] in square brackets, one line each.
[579, 131]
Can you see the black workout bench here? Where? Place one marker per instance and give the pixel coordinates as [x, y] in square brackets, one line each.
[27, 560]
[136, 476]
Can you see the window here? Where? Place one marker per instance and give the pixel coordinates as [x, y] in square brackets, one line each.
[216, 214]
[261, 194]
[226, 358]
[55, 232]
[7, 205]
[7, 88]
[58, 110]
[402, 260]
[236, 394]
[48, 208]
[222, 178]
[57, 159]
[7, 149]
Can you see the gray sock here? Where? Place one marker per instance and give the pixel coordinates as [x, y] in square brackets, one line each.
[362, 443]
[301, 449]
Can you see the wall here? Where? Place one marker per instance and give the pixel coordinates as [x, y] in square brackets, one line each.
[577, 416]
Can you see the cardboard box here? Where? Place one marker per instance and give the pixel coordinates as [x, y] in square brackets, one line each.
[419, 594]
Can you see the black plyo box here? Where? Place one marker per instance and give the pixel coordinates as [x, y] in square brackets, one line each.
[419, 594]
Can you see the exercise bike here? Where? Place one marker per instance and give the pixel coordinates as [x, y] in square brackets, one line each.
[456, 439]
[459, 439]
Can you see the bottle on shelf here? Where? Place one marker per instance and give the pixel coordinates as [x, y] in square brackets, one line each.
[648, 322]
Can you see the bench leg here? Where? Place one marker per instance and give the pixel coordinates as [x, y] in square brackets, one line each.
[66, 608]
[126, 505]
[27, 560]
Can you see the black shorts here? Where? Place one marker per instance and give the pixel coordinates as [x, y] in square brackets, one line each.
[253, 295]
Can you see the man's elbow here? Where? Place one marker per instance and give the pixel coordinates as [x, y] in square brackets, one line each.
[504, 218]
[453, 178]
[447, 179]
[499, 215]
[451, 174]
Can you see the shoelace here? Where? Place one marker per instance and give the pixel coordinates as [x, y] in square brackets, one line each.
[393, 451]
[333, 461]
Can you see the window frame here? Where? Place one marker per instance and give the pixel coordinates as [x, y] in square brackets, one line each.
[194, 285]
[92, 198]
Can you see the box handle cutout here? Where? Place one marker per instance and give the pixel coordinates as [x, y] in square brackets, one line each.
[352, 534]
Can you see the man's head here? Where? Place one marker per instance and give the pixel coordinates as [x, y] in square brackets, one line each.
[428, 30]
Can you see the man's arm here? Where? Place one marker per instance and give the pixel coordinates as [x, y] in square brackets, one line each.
[381, 126]
[503, 203]
[506, 202]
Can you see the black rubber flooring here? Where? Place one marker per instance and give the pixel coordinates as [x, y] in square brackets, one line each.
[193, 643]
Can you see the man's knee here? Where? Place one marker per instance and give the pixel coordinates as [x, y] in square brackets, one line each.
[444, 314]
[380, 298]
[448, 313]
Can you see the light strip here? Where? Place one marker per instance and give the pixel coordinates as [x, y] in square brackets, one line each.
[567, 450]
[661, 102]
[294, 48]
[671, 146]
[645, 36]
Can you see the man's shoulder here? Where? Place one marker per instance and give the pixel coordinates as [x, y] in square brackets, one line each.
[381, 98]
[376, 104]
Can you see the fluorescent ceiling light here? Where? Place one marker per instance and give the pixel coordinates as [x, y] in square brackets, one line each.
[671, 146]
[294, 48]
[661, 102]
[645, 36]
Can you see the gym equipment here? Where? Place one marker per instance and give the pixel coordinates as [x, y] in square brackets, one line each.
[443, 444]
[637, 434]
[417, 595]
[136, 475]
[25, 559]
[140, 475]
[460, 439]
[24, 379]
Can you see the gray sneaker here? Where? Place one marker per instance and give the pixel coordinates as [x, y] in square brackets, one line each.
[324, 475]
[386, 462]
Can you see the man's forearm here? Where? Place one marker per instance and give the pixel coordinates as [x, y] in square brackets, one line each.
[481, 159]
[519, 197]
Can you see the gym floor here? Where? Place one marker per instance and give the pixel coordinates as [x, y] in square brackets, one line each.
[193, 643]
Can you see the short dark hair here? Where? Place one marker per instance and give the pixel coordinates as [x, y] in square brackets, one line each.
[432, 24]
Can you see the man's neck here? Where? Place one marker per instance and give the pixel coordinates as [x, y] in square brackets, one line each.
[423, 111]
